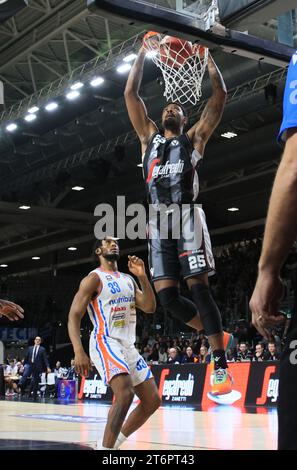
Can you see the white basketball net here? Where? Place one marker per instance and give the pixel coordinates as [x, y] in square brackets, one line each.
[182, 68]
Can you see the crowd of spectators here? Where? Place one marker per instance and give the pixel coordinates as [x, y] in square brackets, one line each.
[196, 349]
[236, 268]
[14, 369]
[177, 350]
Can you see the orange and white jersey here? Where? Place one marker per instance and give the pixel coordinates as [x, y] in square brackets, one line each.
[113, 311]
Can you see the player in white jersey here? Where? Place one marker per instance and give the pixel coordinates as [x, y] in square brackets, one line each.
[111, 299]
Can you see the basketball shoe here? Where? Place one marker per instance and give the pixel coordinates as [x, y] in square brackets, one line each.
[221, 382]
[228, 342]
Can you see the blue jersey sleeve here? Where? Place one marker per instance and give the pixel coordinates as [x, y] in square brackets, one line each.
[290, 100]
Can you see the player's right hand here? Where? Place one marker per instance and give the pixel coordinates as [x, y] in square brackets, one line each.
[82, 364]
[265, 303]
[11, 310]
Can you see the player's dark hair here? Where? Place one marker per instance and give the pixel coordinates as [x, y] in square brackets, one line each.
[179, 105]
[97, 244]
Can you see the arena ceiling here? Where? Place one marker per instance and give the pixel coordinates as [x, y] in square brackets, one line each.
[51, 44]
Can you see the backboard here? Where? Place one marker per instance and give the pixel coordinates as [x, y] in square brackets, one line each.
[257, 29]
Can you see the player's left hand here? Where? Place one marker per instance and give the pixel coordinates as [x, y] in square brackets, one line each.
[264, 303]
[82, 363]
[11, 310]
[136, 266]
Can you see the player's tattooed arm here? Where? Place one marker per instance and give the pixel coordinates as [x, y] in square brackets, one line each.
[137, 111]
[200, 133]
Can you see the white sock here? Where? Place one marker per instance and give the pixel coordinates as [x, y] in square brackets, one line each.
[104, 448]
[120, 440]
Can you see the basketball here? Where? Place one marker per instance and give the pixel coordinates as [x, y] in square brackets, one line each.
[198, 50]
[174, 52]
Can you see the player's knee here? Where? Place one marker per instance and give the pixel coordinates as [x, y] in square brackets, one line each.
[179, 307]
[125, 396]
[156, 402]
[152, 404]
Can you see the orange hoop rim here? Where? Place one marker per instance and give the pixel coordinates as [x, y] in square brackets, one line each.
[197, 49]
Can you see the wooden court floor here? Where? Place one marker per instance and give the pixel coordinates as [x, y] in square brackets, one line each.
[177, 428]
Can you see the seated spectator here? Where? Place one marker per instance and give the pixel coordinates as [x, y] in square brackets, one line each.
[59, 371]
[154, 355]
[204, 357]
[259, 355]
[230, 356]
[275, 338]
[162, 355]
[243, 354]
[199, 341]
[20, 366]
[71, 374]
[146, 352]
[173, 356]
[11, 368]
[272, 354]
[189, 356]
[10, 378]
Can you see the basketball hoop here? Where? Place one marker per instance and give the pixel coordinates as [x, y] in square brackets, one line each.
[182, 64]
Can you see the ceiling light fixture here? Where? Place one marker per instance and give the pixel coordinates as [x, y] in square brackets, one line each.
[229, 135]
[124, 68]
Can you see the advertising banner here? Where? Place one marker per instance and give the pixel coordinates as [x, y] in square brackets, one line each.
[254, 384]
[67, 389]
[263, 384]
[240, 375]
[93, 387]
[180, 383]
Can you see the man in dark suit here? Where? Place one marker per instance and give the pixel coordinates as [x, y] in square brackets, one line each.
[36, 362]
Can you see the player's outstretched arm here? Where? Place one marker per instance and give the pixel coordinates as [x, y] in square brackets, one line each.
[87, 287]
[137, 111]
[145, 298]
[280, 233]
[212, 113]
[11, 310]
[281, 224]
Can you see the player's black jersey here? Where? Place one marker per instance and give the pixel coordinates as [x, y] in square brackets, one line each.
[169, 169]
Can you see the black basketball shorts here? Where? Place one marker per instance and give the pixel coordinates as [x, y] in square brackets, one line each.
[179, 243]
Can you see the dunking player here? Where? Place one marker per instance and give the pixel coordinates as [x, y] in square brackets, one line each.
[111, 298]
[280, 233]
[170, 159]
[10, 310]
